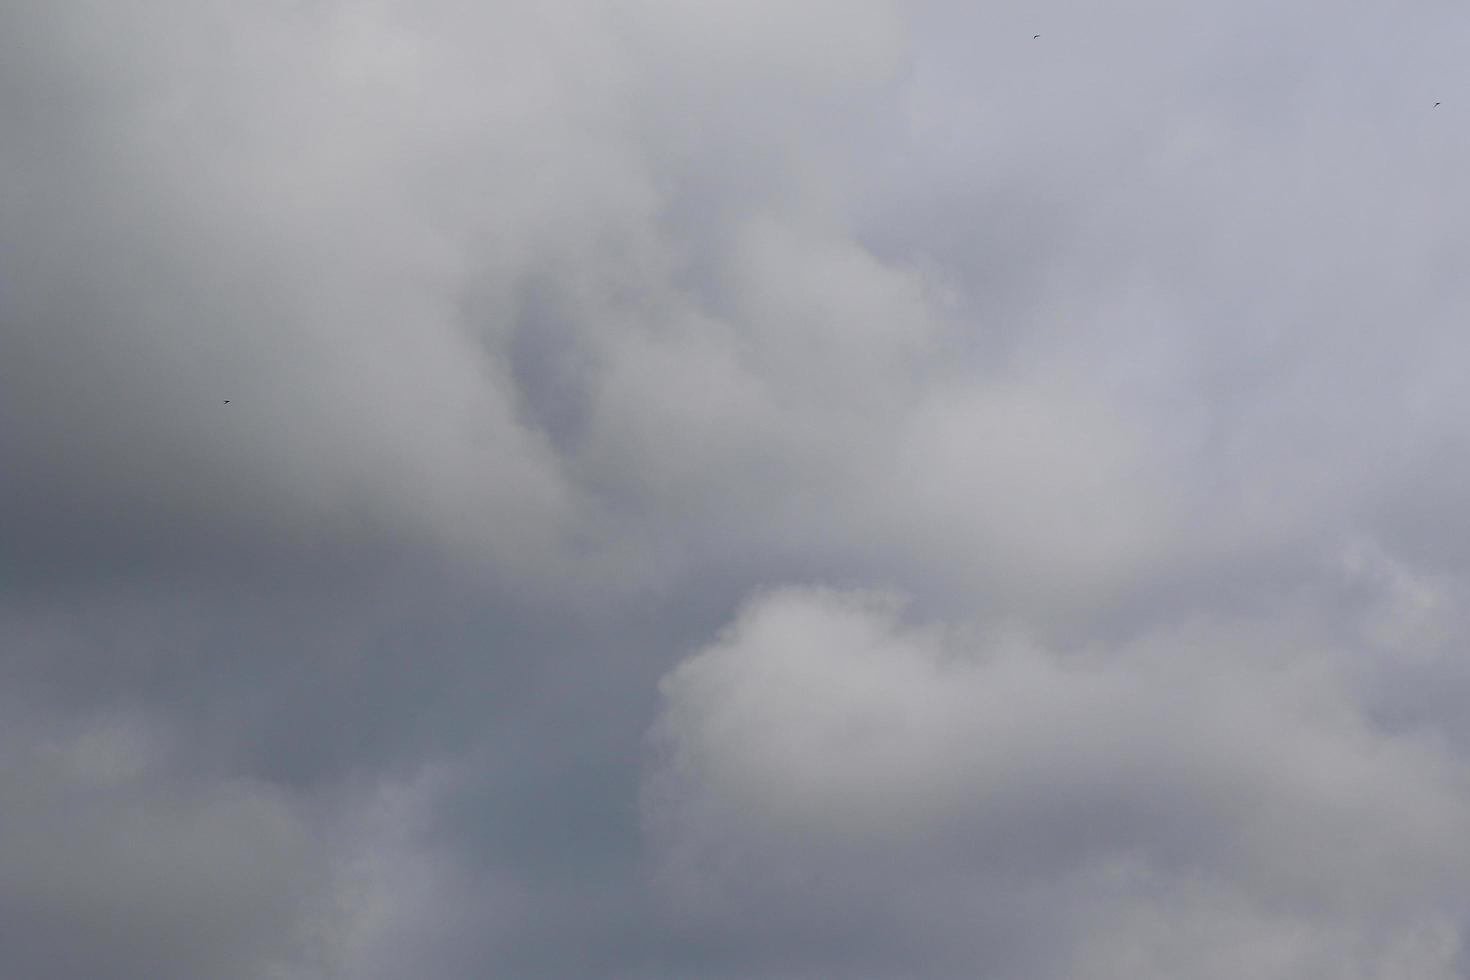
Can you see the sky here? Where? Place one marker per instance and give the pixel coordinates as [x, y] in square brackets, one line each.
[745, 490]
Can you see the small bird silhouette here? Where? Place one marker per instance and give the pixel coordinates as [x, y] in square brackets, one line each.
[227, 401]
[1035, 36]
[1436, 103]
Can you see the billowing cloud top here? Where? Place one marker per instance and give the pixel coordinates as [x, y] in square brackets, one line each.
[745, 490]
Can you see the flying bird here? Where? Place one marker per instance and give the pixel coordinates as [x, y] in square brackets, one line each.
[227, 401]
[1035, 36]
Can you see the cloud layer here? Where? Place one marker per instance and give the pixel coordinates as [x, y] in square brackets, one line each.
[770, 490]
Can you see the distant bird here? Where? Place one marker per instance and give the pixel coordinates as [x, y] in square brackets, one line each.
[1035, 36]
[227, 401]
[1436, 103]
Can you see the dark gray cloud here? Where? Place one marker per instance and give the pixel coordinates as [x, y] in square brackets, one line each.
[768, 490]
[116, 863]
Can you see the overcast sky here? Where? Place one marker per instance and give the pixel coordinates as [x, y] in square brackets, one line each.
[763, 489]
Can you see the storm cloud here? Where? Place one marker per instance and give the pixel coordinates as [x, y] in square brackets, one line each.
[737, 490]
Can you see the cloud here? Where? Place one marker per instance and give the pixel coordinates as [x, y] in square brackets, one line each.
[826, 763]
[115, 863]
[554, 332]
[121, 856]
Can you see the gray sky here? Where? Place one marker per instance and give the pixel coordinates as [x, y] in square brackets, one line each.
[734, 490]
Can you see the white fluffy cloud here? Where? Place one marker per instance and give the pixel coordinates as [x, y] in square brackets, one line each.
[1205, 800]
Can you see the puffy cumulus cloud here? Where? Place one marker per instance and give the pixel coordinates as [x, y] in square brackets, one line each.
[1163, 230]
[430, 253]
[250, 212]
[551, 329]
[341, 217]
[482, 282]
[535, 287]
[537, 284]
[1204, 800]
